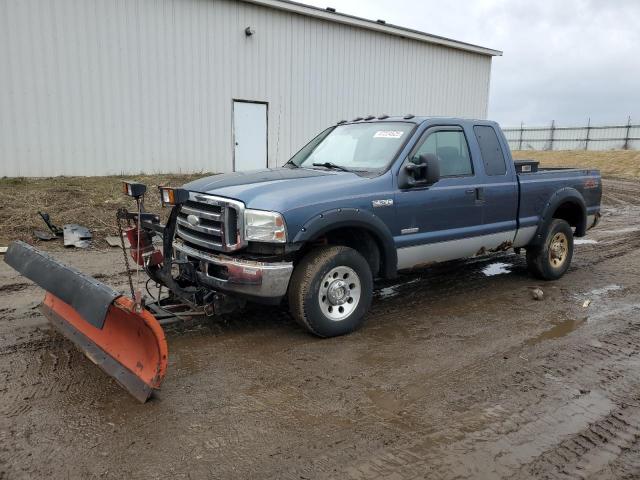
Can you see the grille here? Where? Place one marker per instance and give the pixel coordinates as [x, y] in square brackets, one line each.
[210, 223]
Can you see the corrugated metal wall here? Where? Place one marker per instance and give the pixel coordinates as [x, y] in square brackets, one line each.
[94, 87]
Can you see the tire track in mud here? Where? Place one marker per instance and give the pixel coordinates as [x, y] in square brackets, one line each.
[619, 193]
[14, 287]
[587, 452]
[609, 249]
[561, 418]
[53, 365]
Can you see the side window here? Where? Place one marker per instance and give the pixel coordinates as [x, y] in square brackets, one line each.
[452, 150]
[491, 151]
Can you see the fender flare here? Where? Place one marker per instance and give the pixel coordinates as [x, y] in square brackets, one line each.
[562, 196]
[354, 218]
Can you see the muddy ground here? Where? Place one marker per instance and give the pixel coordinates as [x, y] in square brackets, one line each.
[458, 373]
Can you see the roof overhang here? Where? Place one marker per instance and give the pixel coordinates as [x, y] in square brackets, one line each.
[310, 11]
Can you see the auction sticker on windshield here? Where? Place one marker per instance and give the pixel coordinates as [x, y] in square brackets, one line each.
[388, 134]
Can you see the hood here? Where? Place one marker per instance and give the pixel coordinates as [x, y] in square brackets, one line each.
[280, 189]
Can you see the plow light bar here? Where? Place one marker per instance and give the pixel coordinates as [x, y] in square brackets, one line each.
[133, 189]
[173, 196]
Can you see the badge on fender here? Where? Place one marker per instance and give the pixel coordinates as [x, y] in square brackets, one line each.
[387, 202]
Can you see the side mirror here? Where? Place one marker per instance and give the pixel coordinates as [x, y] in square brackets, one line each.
[433, 167]
[421, 171]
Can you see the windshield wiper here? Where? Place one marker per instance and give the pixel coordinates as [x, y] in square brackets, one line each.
[332, 166]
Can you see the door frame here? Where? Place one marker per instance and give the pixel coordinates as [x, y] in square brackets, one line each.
[233, 128]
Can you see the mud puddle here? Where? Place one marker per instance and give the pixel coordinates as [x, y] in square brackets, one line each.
[557, 331]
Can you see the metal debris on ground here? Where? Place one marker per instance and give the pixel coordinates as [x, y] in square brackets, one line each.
[43, 235]
[76, 236]
[57, 231]
[537, 293]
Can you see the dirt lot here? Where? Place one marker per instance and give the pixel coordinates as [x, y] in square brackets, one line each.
[457, 374]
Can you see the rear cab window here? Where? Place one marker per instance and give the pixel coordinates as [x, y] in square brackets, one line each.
[491, 150]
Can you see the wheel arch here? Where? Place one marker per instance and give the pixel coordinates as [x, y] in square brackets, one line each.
[565, 204]
[351, 223]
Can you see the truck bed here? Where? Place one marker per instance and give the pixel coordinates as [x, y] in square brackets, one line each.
[537, 188]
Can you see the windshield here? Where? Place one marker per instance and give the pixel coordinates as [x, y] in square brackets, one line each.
[359, 147]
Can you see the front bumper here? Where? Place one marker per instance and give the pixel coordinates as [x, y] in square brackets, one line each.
[261, 281]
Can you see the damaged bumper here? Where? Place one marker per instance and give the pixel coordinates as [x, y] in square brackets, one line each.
[265, 282]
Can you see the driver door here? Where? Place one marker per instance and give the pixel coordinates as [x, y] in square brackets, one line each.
[437, 222]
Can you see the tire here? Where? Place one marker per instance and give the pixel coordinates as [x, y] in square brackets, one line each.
[331, 290]
[552, 259]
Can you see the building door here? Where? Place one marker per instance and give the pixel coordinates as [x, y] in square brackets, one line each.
[249, 135]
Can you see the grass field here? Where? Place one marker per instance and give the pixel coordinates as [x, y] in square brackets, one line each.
[612, 163]
[93, 201]
[89, 201]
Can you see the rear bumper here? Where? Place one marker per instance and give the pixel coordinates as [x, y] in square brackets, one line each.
[265, 282]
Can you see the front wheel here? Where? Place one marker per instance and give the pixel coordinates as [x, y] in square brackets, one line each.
[331, 290]
[551, 260]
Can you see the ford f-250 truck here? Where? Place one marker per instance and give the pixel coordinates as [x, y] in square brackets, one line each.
[365, 199]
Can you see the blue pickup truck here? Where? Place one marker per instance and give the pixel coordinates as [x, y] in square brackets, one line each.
[365, 199]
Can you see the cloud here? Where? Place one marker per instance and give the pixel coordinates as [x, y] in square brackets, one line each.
[564, 61]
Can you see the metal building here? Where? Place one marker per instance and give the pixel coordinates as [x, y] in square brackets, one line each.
[94, 87]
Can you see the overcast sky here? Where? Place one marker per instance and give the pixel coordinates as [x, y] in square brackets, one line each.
[564, 60]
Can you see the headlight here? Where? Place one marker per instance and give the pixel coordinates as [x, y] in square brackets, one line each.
[261, 226]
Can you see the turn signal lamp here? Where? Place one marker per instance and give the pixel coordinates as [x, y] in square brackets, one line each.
[172, 196]
[133, 189]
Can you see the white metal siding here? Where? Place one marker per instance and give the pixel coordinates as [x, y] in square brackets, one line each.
[94, 87]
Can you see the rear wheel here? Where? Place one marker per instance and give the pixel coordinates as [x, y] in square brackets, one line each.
[331, 290]
[552, 259]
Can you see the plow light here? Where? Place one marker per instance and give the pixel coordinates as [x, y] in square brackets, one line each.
[172, 196]
[133, 189]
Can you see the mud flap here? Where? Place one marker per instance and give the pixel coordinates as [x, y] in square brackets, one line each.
[128, 345]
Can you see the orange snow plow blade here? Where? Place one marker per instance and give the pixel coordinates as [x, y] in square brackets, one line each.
[128, 345]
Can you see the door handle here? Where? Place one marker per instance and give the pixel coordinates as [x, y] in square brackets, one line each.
[470, 191]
